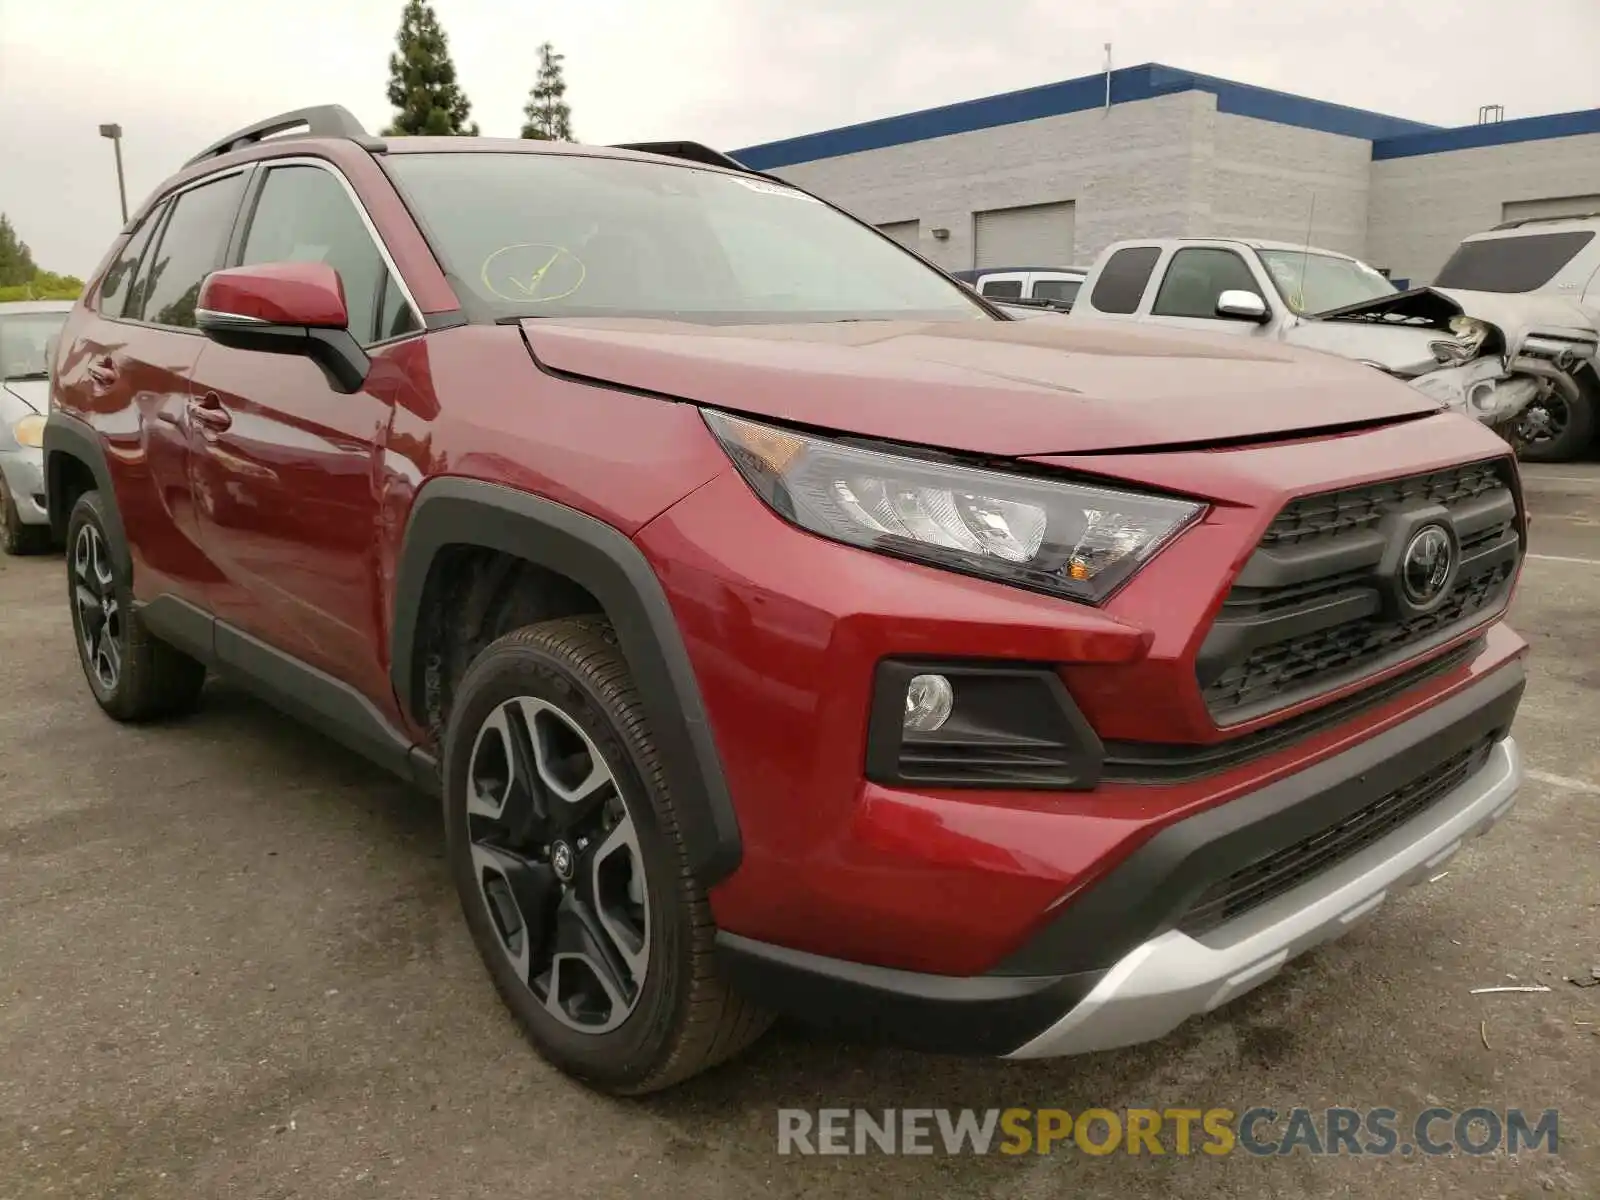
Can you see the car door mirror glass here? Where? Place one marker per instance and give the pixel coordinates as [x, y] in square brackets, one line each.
[1239, 305]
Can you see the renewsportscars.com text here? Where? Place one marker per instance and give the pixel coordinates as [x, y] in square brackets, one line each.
[1260, 1131]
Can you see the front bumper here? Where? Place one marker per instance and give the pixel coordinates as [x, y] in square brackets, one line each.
[1113, 967]
[24, 474]
[1158, 985]
[1481, 389]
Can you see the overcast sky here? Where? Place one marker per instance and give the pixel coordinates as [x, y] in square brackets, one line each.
[180, 73]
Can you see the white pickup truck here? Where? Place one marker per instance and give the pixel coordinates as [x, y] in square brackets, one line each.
[1489, 356]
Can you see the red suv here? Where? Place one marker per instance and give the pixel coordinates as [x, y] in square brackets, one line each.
[784, 628]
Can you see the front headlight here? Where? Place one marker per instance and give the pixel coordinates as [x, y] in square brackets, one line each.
[29, 431]
[1068, 539]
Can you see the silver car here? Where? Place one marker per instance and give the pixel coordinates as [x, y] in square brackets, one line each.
[28, 331]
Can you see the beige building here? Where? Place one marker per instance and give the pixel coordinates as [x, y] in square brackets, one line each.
[1049, 175]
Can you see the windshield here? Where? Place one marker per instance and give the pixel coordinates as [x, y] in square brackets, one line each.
[1314, 283]
[563, 235]
[25, 344]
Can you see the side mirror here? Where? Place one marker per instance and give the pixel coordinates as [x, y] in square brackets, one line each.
[1236, 304]
[284, 308]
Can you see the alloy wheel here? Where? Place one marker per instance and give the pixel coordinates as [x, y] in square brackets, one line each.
[558, 866]
[99, 612]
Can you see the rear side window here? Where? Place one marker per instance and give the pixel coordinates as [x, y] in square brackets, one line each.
[1056, 289]
[118, 283]
[1196, 280]
[190, 249]
[305, 215]
[1122, 280]
[1511, 264]
[1002, 289]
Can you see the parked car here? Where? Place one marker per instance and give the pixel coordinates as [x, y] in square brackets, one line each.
[27, 332]
[1041, 287]
[784, 630]
[1490, 358]
[1557, 258]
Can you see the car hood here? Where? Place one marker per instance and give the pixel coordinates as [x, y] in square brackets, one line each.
[1433, 308]
[1004, 388]
[35, 393]
[1515, 313]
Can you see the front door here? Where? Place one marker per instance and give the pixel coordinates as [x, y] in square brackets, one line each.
[284, 466]
[1195, 279]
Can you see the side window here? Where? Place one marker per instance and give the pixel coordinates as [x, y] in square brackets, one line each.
[117, 285]
[190, 248]
[1123, 278]
[394, 312]
[1001, 289]
[1196, 280]
[304, 214]
[1056, 289]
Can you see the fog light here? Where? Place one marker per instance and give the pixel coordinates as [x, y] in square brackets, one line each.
[928, 701]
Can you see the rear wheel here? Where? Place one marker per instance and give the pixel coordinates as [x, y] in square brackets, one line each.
[564, 845]
[133, 674]
[15, 537]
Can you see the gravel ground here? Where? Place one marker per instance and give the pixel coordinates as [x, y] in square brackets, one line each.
[231, 965]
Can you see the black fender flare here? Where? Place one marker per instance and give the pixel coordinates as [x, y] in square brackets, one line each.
[65, 437]
[451, 511]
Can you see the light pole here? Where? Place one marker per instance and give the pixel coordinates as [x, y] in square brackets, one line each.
[114, 132]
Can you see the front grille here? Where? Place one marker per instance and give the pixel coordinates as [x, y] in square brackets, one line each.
[1312, 611]
[1335, 513]
[1279, 872]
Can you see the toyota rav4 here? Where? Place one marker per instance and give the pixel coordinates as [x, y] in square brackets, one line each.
[784, 629]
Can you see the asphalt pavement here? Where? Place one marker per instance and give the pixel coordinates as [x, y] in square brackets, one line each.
[231, 964]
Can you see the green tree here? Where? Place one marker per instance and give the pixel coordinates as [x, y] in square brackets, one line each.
[422, 79]
[549, 115]
[16, 261]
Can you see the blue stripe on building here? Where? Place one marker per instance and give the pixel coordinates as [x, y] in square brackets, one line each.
[1392, 137]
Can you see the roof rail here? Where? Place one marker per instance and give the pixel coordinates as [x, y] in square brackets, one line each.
[689, 151]
[1521, 221]
[323, 120]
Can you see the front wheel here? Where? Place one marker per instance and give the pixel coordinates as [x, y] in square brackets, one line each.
[1556, 429]
[564, 846]
[15, 537]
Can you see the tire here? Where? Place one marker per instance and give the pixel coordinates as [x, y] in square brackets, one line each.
[133, 674]
[1575, 430]
[665, 1012]
[15, 537]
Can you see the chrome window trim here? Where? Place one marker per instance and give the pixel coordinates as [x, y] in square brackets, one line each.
[303, 160]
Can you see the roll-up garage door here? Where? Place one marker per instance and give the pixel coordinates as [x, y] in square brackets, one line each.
[1559, 206]
[1036, 235]
[904, 232]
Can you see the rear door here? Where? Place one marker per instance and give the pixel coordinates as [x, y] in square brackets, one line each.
[284, 466]
[129, 372]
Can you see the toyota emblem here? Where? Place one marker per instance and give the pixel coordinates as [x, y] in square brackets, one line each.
[561, 859]
[1425, 567]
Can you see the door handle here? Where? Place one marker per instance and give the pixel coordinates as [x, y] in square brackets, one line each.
[102, 372]
[207, 411]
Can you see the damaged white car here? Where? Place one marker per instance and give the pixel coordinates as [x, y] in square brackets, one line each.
[1489, 357]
